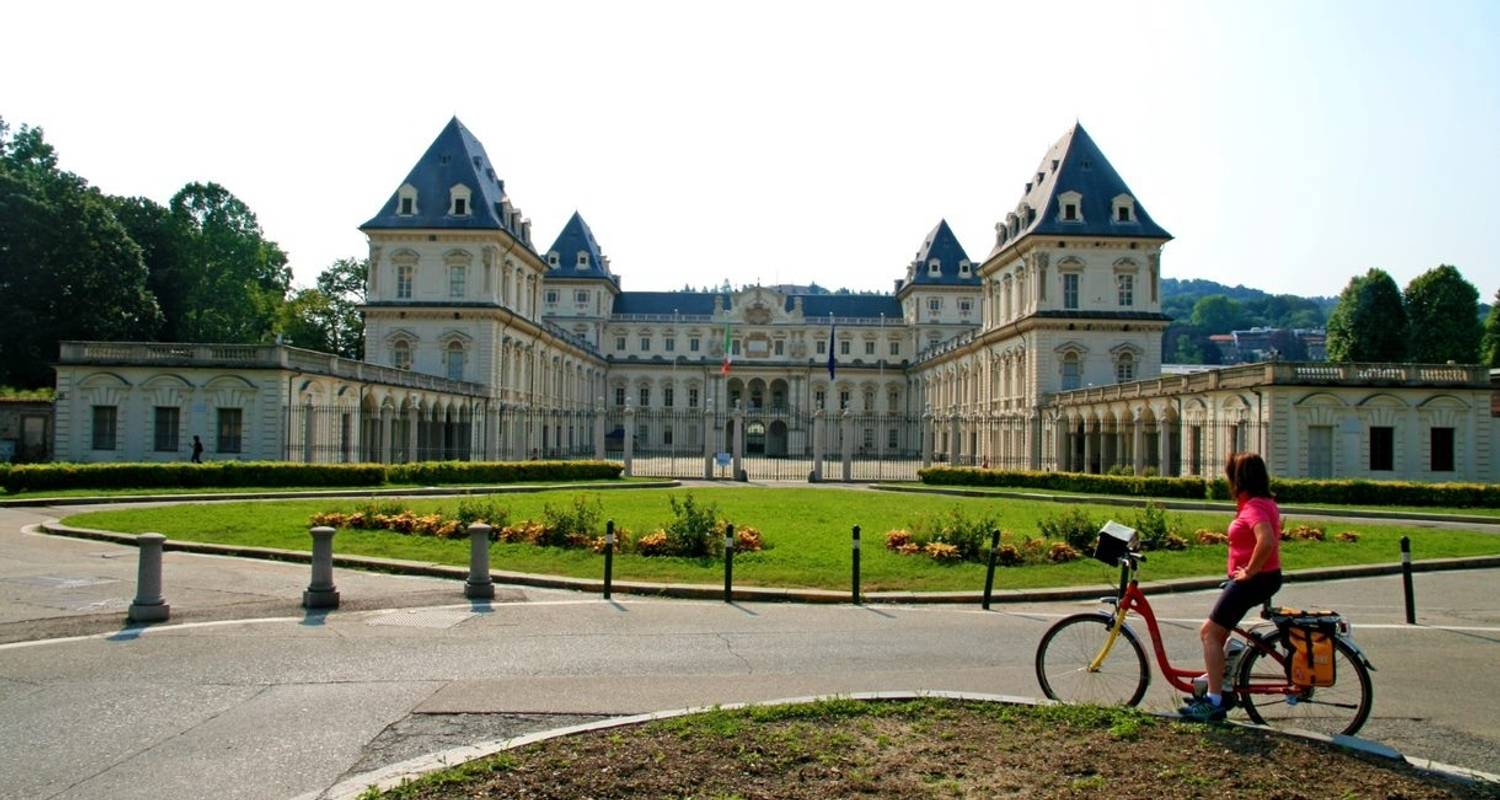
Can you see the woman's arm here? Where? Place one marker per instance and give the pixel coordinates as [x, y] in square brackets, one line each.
[1265, 544]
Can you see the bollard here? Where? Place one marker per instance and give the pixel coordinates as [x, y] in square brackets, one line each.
[609, 556]
[149, 605]
[321, 593]
[989, 572]
[856, 565]
[1411, 601]
[479, 586]
[728, 563]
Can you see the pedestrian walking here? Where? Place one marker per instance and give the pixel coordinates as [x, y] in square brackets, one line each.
[197, 450]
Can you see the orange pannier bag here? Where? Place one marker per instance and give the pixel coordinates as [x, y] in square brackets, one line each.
[1311, 636]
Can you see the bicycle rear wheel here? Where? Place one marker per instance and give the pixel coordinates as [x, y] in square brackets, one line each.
[1067, 649]
[1330, 710]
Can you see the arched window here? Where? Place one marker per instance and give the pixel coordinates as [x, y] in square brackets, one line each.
[1125, 368]
[1072, 372]
[401, 354]
[454, 356]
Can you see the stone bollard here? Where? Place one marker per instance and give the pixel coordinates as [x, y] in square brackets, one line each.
[149, 605]
[321, 593]
[479, 586]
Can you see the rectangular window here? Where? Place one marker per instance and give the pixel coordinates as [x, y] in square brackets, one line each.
[1070, 290]
[619, 395]
[642, 434]
[822, 346]
[869, 438]
[460, 207]
[667, 396]
[844, 348]
[734, 347]
[104, 427]
[693, 345]
[843, 400]
[645, 396]
[581, 297]
[1123, 213]
[1070, 212]
[1127, 289]
[1442, 449]
[1320, 451]
[670, 345]
[891, 440]
[895, 403]
[230, 430]
[406, 206]
[403, 282]
[895, 348]
[666, 433]
[458, 275]
[780, 347]
[819, 398]
[164, 431]
[692, 398]
[965, 306]
[551, 297]
[645, 343]
[1382, 448]
[869, 348]
[620, 343]
[935, 304]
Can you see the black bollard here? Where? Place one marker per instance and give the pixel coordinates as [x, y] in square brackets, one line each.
[856, 565]
[989, 572]
[609, 556]
[1411, 601]
[728, 563]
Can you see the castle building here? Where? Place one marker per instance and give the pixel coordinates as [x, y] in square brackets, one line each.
[1043, 355]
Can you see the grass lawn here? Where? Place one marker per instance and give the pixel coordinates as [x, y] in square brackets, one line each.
[1002, 490]
[806, 532]
[252, 489]
[927, 749]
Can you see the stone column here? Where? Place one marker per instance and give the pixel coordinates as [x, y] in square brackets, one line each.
[629, 439]
[818, 442]
[1034, 440]
[148, 605]
[739, 438]
[708, 443]
[599, 430]
[321, 592]
[1088, 446]
[926, 431]
[955, 442]
[1061, 444]
[1164, 447]
[388, 439]
[479, 586]
[847, 426]
[1138, 443]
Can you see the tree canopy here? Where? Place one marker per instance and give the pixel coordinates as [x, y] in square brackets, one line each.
[1490, 345]
[1369, 322]
[1442, 313]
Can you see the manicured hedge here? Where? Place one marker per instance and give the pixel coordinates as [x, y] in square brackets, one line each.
[1287, 490]
[1066, 482]
[37, 477]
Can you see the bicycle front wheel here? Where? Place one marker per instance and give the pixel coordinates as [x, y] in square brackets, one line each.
[1069, 647]
[1330, 710]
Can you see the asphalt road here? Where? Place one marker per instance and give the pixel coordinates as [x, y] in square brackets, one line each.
[287, 703]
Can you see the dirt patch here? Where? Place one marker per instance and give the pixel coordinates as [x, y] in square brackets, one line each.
[932, 749]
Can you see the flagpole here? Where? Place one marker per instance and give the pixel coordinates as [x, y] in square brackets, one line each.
[880, 383]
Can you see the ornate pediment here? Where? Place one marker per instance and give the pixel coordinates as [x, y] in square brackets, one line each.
[758, 305]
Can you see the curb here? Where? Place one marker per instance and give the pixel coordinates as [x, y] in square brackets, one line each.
[374, 491]
[695, 591]
[394, 775]
[1191, 505]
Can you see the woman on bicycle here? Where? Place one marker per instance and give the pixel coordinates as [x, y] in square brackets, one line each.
[1254, 573]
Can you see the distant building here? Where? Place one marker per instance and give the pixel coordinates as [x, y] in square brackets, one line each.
[1271, 344]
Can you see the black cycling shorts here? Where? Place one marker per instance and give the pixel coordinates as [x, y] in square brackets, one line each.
[1241, 596]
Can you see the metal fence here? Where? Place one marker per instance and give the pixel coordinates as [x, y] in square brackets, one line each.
[332, 434]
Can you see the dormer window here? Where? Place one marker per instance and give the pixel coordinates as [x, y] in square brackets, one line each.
[965, 269]
[1070, 207]
[934, 267]
[583, 260]
[1124, 209]
[552, 259]
[406, 202]
[458, 197]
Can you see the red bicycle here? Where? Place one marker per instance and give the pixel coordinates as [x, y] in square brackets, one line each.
[1078, 661]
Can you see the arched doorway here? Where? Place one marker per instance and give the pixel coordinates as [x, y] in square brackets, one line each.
[776, 439]
[755, 437]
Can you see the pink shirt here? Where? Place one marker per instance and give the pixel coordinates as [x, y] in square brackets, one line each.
[1252, 512]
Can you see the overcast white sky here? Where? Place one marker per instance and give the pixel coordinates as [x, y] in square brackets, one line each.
[1287, 146]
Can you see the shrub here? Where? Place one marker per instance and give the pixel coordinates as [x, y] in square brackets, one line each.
[1135, 486]
[969, 536]
[1009, 556]
[942, 552]
[1174, 542]
[746, 538]
[1034, 551]
[1073, 526]
[691, 531]
[432, 473]
[622, 541]
[1348, 536]
[485, 510]
[1206, 536]
[1304, 533]
[1061, 552]
[652, 544]
[895, 540]
[572, 526]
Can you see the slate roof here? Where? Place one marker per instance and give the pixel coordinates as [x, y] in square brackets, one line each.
[814, 306]
[942, 245]
[454, 157]
[1076, 164]
[576, 237]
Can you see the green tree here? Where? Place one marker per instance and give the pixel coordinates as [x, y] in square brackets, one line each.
[1217, 314]
[327, 317]
[1490, 346]
[234, 280]
[1442, 313]
[163, 242]
[1369, 322]
[68, 269]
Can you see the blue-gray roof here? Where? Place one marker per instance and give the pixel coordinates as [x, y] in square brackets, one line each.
[813, 305]
[942, 245]
[454, 157]
[1076, 164]
[576, 238]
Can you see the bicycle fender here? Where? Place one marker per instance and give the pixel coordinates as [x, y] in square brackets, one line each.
[1359, 652]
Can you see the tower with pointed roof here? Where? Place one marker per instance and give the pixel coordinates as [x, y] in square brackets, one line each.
[580, 289]
[940, 294]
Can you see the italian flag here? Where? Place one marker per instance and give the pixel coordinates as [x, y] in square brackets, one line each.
[724, 368]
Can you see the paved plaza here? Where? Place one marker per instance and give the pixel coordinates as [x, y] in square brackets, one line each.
[245, 695]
